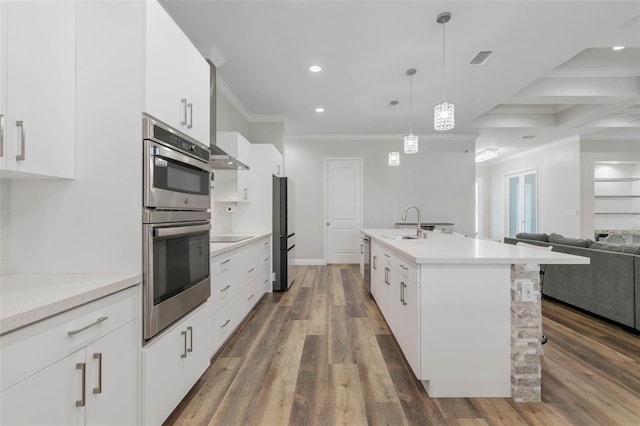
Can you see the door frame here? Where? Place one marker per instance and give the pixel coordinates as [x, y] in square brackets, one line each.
[326, 162]
[505, 210]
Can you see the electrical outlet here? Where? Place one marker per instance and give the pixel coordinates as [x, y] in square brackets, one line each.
[273, 276]
[527, 291]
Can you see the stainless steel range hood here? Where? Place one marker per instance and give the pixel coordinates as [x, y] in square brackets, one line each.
[218, 159]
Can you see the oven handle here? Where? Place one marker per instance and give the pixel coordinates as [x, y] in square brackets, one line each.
[161, 151]
[180, 230]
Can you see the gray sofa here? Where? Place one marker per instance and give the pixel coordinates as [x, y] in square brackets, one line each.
[609, 286]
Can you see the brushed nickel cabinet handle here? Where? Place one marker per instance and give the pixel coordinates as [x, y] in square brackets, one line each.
[403, 286]
[22, 155]
[1, 135]
[386, 255]
[82, 366]
[190, 111]
[80, 330]
[404, 267]
[251, 270]
[374, 262]
[183, 109]
[250, 297]
[225, 323]
[190, 330]
[98, 389]
[361, 248]
[222, 290]
[184, 354]
[225, 262]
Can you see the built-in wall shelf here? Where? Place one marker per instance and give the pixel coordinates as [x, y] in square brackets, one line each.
[616, 195]
[617, 213]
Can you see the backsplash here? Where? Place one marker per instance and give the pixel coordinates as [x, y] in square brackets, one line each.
[5, 225]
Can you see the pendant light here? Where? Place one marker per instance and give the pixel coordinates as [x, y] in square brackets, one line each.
[444, 112]
[394, 156]
[411, 140]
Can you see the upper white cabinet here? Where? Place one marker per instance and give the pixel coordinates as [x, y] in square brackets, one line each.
[176, 77]
[38, 70]
[233, 185]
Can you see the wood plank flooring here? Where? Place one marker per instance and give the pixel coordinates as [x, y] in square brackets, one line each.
[322, 354]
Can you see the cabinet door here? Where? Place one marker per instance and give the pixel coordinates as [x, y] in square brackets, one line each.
[40, 96]
[48, 397]
[176, 76]
[199, 335]
[112, 371]
[3, 84]
[163, 375]
[407, 322]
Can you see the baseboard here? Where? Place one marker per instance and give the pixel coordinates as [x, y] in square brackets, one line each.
[301, 262]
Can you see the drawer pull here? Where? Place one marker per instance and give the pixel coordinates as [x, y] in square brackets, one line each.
[225, 323]
[183, 119]
[80, 330]
[190, 111]
[250, 297]
[184, 354]
[190, 330]
[265, 243]
[266, 281]
[225, 262]
[98, 356]
[21, 156]
[82, 366]
[386, 255]
[404, 267]
[250, 270]
[266, 259]
[226, 288]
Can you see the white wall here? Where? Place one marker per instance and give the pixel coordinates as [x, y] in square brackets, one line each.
[267, 132]
[228, 119]
[92, 223]
[591, 152]
[5, 226]
[558, 174]
[439, 180]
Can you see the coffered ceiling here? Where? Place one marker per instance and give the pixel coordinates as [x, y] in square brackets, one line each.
[552, 72]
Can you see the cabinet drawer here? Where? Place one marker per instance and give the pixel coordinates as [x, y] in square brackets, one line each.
[405, 268]
[222, 263]
[223, 288]
[30, 349]
[224, 321]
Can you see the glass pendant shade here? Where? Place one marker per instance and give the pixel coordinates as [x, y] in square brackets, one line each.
[443, 116]
[394, 159]
[411, 144]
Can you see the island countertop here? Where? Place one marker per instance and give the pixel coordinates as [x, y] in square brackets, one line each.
[440, 248]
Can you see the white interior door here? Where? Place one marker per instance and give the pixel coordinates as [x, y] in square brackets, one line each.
[343, 195]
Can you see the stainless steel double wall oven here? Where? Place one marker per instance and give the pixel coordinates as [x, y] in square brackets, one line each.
[176, 225]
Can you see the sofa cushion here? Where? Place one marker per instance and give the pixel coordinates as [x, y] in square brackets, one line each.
[620, 248]
[567, 241]
[535, 237]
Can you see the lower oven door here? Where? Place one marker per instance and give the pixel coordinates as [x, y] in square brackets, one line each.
[175, 274]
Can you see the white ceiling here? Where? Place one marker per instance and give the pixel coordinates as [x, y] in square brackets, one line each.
[552, 73]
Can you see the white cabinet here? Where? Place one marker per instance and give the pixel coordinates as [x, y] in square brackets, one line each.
[394, 286]
[38, 70]
[172, 363]
[233, 185]
[176, 77]
[76, 375]
[239, 278]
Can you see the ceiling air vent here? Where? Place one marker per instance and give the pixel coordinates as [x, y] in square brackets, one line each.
[481, 57]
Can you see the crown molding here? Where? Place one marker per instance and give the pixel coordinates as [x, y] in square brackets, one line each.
[351, 137]
[268, 118]
[226, 91]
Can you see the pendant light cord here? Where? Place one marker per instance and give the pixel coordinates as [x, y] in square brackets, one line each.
[443, 62]
[411, 104]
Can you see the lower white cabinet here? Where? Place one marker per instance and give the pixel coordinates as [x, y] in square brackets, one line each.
[172, 363]
[394, 286]
[95, 384]
[239, 279]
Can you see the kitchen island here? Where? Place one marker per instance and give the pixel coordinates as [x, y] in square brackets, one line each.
[466, 312]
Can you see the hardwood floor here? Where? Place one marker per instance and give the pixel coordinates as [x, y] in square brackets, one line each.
[322, 354]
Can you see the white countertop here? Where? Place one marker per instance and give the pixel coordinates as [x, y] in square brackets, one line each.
[28, 298]
[216, 249]
[440, 248]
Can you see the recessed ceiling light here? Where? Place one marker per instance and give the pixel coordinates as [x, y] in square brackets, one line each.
[319, 109]
[315, 68]
[618, 47]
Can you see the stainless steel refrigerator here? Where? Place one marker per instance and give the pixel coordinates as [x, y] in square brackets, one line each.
[283, 233]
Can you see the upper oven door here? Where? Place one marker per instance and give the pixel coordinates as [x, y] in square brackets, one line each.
[173, 180]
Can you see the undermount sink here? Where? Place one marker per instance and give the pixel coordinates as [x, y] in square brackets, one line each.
[403, 237]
